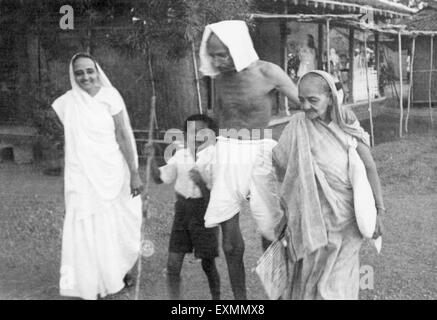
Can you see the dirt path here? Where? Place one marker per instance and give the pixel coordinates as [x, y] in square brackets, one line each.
[31, 217]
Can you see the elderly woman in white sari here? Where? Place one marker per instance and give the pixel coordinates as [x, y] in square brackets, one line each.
[312, 160]
[101, 235]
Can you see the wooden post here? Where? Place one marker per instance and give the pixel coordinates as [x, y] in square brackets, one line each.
[400, 84]
[328, 64]
[285, 53]
[145, 194]
[287, 112]
[410, 89]
[377, 60]
[430, 78]
[196, 75]
[369, 98]
[351, 64]
[212, 94]
[89, 35]
[320, 47]
[39, 68]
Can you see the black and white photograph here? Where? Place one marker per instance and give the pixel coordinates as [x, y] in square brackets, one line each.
[187, 150]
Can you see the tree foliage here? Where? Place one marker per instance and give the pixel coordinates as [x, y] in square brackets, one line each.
[168, 26]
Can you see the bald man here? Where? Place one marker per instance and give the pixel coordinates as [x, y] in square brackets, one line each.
[245, 91]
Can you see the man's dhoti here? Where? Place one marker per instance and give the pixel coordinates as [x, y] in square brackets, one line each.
[241, 170]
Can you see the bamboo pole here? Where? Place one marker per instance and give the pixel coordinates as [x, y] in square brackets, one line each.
[400, 85]
[377, 60]
[320, 46]
[196, 74]
[430, 79]
[39, 67]
[303, 16]
[148, 168]
[285, 55]
[410, 89]
[369, 99]
[89, 35]
[351, 64]
[328, 67]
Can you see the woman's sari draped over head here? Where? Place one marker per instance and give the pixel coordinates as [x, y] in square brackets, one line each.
[312, 158]
[101, 237]
[91, 147]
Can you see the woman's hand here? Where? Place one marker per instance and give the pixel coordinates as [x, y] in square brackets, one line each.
[379, 229]
[136, 185]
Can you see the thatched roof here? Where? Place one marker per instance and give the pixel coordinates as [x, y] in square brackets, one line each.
[347, 13]
[424, 20]
[379, 7]
[377, 4]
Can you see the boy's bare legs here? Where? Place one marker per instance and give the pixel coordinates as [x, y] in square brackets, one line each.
[210, 269]
[233, 247]
[174, 266]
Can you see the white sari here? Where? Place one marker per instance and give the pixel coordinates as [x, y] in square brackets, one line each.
[101, 235]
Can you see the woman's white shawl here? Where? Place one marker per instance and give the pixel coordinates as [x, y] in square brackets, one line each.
[91, 150]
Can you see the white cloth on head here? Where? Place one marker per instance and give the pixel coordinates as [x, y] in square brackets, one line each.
[102, 227]
[235, 35]
[242, 169]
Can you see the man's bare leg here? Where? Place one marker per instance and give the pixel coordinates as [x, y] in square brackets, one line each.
[233, 247]
[210, 269]
[174, 266]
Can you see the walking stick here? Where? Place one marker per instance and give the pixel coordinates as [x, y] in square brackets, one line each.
[410, 89]
[196, 76]
[401, 107]
[148, 166]
[430, 79]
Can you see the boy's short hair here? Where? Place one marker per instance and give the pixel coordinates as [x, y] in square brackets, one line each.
[201, 117]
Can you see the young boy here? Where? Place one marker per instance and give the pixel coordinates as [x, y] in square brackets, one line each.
[192, 196]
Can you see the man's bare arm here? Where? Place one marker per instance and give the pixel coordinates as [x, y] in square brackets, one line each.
[281, 81]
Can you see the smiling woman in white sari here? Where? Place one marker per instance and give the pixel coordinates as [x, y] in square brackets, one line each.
[101, 235]
[313, 159]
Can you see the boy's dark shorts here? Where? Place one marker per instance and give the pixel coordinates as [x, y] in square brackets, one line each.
[189, 232]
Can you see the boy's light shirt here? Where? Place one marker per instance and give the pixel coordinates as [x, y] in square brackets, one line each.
[178, 169]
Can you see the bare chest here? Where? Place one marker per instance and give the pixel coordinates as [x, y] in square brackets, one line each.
[244, 99]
